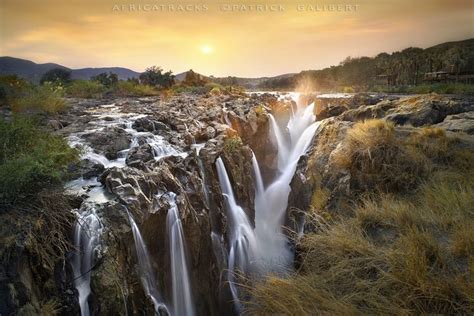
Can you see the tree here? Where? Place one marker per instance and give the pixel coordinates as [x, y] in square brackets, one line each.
[155, 77]
[56, 75]
[194, 79]
[106, 79]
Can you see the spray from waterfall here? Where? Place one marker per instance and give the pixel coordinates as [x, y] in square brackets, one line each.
[181, 285]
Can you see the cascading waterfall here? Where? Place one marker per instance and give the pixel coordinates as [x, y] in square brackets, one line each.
[271, 203]
[181, 285]
[87, 234]
[265, 249]
[146, 270]
[242, 238]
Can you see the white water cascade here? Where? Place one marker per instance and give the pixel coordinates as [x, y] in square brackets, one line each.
[87, 234]
[271, 203]
[146, 270]
[181, 285]
[242, 238]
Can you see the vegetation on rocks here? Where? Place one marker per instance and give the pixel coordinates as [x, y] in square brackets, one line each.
[31, 158]
[407, 245]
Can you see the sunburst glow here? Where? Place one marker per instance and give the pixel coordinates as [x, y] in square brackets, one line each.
[206, 49]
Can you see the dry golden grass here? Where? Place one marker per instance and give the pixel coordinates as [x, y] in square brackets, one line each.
[399, 253]
[378, 160]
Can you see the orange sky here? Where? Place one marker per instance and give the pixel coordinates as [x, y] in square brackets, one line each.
[217, 39]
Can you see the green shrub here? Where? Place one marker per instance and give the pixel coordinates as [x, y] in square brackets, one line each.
[57, 76]
[45, 98]
[31, 158]
[232, 143]
[12, 87]
[106, 79]
[85, 89]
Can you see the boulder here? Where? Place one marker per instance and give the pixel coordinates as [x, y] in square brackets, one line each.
[463, 122]
[109, 141]
[139, 155]
[145, 124]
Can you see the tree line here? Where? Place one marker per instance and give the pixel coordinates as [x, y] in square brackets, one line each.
[406, 67]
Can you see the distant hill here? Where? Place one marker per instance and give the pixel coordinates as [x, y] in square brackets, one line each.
[24, 68]
[87, 73]
[33, 72]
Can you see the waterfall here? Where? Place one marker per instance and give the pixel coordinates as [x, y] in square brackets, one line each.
[181, 286]
[87, 234]
[147, 275]
[271, 203]
[242, 238]
[279, 142]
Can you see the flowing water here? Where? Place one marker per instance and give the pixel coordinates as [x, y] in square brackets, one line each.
[181, 285]
[241, 238]
[89, 227]
[292, 141]
[87, 242]
[265, 249]
[146, 270]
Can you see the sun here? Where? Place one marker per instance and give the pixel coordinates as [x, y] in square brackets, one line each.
[206, 49]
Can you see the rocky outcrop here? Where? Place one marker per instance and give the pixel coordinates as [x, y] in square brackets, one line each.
[144, 124]
[139, 155]
[463, 122]
[325, 107]
[109, 141]
[413, 110]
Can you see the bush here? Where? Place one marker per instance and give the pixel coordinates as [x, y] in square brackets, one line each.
[130, 88]
[12, 87]
[85, 89]
[106, 79]
[45, 98]
[31, 158]
[56, 76]
[154, 76]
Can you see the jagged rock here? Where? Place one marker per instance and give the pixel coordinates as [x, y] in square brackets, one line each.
[139, 155]
[463, 122]
[132, 186]
[316, 172]
[144, 124]
[110, 141]
[91, 169]
[325, 107]
[368, 112]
